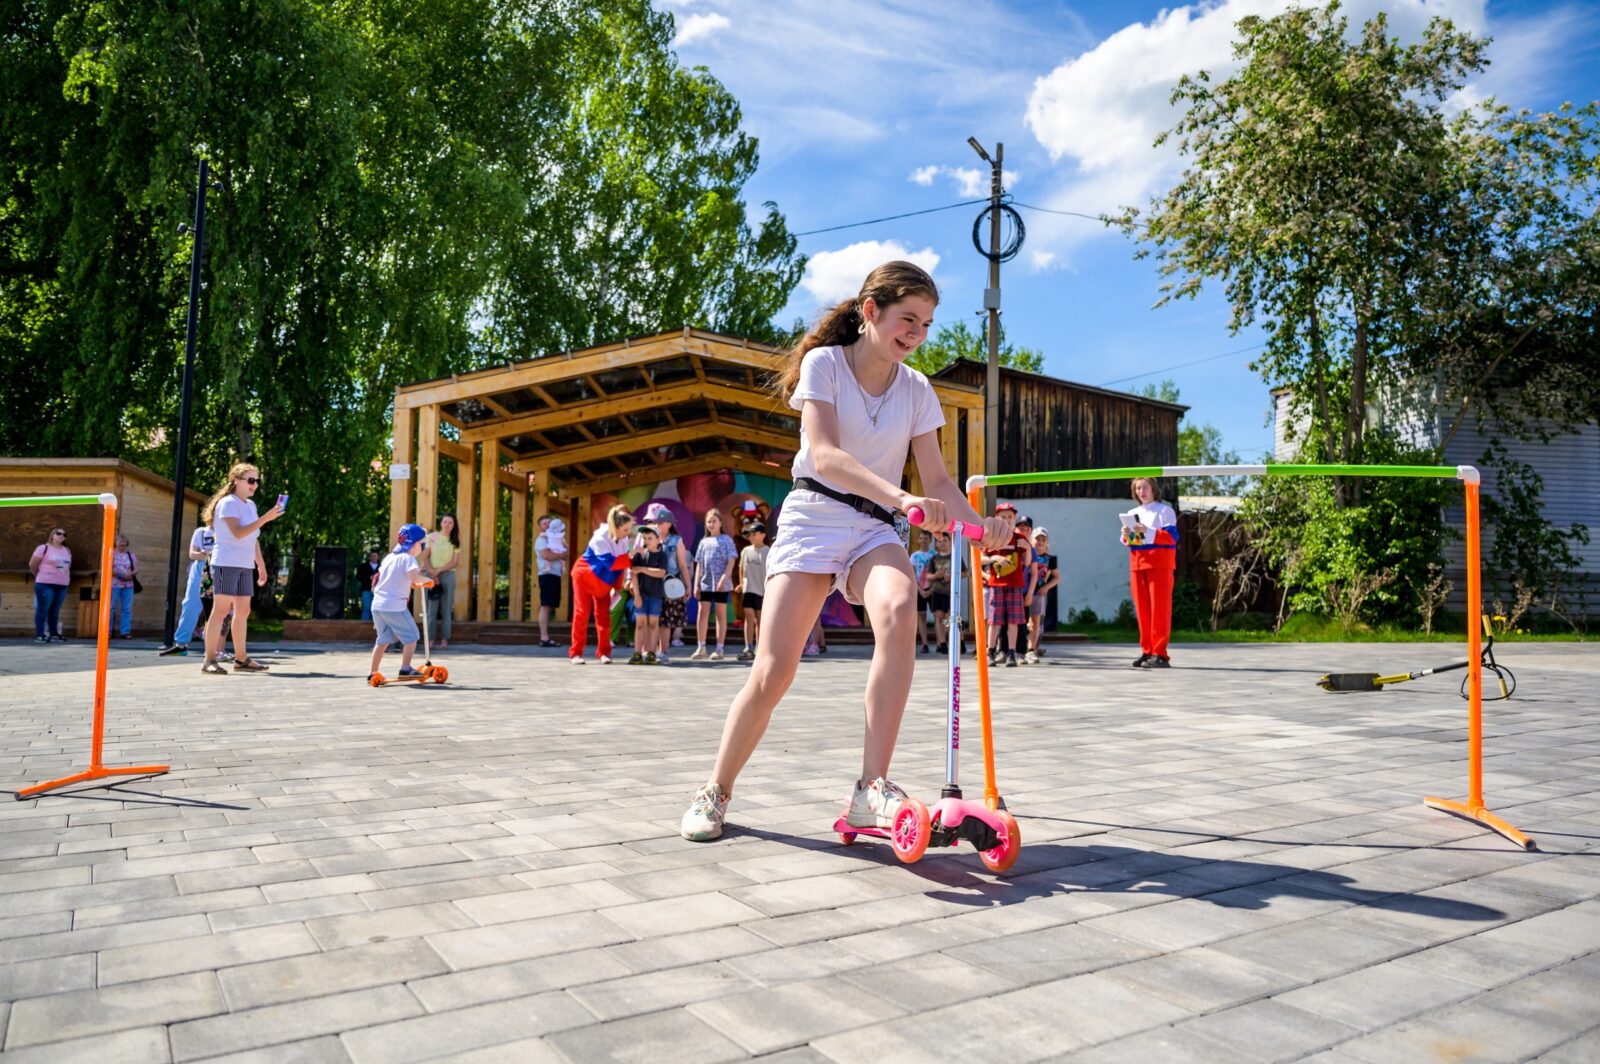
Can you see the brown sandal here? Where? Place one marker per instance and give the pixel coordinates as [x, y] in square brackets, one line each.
[249, 665]
[214, 669]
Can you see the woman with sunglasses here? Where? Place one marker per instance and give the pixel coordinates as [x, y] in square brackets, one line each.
[234, 561]
[51, 566]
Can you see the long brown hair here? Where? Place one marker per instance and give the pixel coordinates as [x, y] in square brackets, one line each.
[236, 474]
[885, 286]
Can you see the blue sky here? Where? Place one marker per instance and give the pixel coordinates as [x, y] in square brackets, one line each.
[863, 108]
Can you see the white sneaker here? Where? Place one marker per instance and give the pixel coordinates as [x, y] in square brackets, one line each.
[716, 655]
[1031, 658]
[575, 660]
[699, 654]
[662, 659]
[703, 820]
[874, 804]
[604, 659]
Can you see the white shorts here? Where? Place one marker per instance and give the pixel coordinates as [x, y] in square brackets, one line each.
[817, 534]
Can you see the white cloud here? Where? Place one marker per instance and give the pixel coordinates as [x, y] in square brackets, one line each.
[832, 276]
[970, 182]
[699, 26]
[1101, 111]
[1041, 260]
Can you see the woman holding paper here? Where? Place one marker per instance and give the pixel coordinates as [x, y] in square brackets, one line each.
[1150, 532]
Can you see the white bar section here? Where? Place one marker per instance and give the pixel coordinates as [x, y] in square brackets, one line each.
[108, 499]
[1213, 470]
[977, 480]
[1467, 474]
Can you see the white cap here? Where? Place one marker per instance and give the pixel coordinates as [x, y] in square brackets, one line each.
[1040, 531]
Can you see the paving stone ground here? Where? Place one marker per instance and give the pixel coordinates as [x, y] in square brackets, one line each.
[1221, 862]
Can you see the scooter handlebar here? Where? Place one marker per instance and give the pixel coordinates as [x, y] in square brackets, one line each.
[966, 528]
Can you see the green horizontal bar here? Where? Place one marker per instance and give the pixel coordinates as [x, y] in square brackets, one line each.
[1060, 475]
[53, 500]
[1285, 470]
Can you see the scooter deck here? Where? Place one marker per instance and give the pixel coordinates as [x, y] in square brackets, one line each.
[427, 674]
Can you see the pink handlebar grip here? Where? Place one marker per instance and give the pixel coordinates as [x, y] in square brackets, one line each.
[966, 528]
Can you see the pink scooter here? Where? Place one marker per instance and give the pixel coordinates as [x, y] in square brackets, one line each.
[993, 832]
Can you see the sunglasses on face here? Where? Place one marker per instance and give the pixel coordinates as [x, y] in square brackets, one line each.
[60, 533]
[251, 480]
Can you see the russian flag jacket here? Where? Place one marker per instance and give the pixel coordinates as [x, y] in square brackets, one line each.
[606, 558]
[1159, 551]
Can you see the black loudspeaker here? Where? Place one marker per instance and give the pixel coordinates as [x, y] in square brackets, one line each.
[329, 575]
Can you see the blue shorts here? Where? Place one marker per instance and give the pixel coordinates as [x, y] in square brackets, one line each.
[394, 626]
[649, 606]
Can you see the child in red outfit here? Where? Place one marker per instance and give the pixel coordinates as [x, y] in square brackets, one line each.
[594, 577]
[1152, 562]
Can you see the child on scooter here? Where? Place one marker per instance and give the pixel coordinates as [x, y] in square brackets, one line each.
[391, 596]
[860, 411]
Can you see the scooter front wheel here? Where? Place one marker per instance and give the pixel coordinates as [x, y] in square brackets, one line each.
[1003, 856]
[376, 679]
[911, 831]
[440, 674]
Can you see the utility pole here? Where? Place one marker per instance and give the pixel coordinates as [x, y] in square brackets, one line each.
[991, 303]
[180, 474]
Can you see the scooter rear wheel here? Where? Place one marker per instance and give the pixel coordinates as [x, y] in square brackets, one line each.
[1003, 856]
[911, 831]
[376, 679]
[847, 837]
[440, 674]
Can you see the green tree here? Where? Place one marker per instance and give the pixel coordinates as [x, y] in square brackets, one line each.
[406, 190]
[961, 341]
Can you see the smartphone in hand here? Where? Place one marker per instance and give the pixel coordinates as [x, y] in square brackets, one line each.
[283, 502]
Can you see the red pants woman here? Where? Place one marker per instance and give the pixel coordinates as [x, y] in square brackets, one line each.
[590, 594]
[1152, 600]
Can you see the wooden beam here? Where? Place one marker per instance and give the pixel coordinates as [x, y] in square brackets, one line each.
[961, 396]
[512, 481]
[975, 456]
[427, 471]
[488, 525]
[519, 552]
[400, 490]
[544, 396]
[487, 400]
[588, 378]
[682, 467]
[466, 481]
[540, 503]
[778, 441]
[456, 452]
[632, 403]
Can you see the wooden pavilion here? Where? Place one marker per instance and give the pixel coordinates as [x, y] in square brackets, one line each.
[562, 429]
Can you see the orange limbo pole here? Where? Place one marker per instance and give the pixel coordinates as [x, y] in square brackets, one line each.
[97, 769]
[1475, 808]
[980, 635]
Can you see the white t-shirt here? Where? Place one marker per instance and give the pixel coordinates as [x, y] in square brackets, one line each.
[554, 539]
[394, 582]
[206, 540]
[238, 552]
[909, 408]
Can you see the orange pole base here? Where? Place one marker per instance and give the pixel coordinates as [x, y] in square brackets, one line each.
[1480, 815]
[92, 774]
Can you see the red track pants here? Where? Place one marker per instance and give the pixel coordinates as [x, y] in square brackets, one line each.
[1152, 599]
[590, 594]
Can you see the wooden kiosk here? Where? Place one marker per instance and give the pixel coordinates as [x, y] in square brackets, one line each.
[555, 432]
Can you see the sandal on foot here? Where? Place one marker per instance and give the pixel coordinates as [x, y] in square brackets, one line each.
[214, 669]
[249, 665]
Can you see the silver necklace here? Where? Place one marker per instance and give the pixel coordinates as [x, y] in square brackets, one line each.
[872, 415]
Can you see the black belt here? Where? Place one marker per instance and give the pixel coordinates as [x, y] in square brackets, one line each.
[855, 502]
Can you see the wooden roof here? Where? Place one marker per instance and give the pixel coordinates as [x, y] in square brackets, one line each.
[640, 410]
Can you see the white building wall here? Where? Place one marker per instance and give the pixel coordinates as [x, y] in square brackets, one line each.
[1085, 535]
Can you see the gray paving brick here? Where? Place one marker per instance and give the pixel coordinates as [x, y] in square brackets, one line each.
[294, 1022]
[673, 951]
[325, 1050]
[334, 932]
[1268, 1030]
[670, 1038]
[107, 937]
[80, 1013]
[144, 1045]
[1037, 956]
[767, 1020]
[286, 912]
[426, 1037]
[477, 986]
[1376, 996]
[655, 991]
[51, 975]
[527, 903]
[272, 982]
[481, 946]
[128, 964]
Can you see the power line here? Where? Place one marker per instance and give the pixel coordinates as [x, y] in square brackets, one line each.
[1184, 365]
[892, 217]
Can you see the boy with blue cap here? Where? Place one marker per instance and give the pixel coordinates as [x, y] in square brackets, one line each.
[391, 598]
